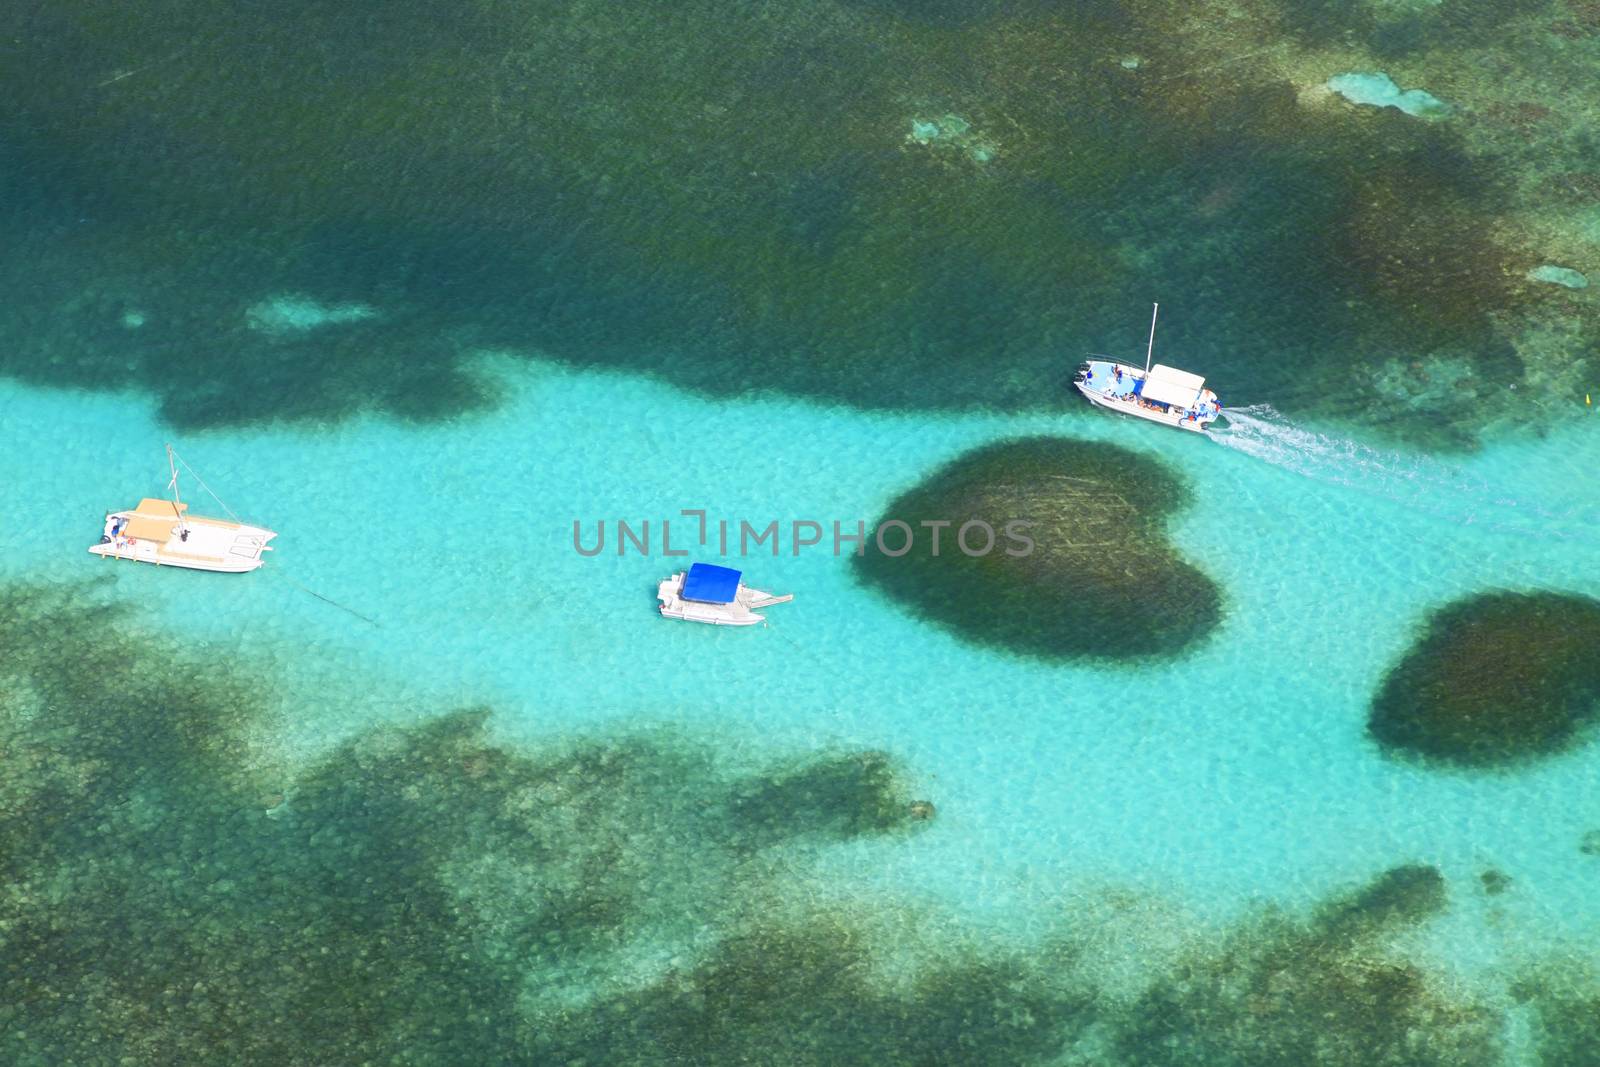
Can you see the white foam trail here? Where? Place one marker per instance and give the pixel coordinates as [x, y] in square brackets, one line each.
[1415, 481]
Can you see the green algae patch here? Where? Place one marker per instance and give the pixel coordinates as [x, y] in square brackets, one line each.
[96, 709]
[1408, 894]
[1494, 680]
[813, 989]
[168, 893]
[839, 796]
[1566, 1014]
[429, 895]
[1325, 990]
[1080, 565]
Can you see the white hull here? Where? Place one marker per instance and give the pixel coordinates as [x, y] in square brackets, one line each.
[1106, 392]
[212, 545]
[738, 613]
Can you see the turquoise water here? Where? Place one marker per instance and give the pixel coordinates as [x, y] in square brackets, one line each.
[432, 786]
[1236, 773]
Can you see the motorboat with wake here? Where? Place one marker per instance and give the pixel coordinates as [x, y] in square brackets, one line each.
[1160, 393]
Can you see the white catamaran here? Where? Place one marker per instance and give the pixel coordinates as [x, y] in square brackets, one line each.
[1161, 394]
[715, 595]
[162, 532]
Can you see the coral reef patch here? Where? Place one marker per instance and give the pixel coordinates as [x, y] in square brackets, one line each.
[1494, 680]
[171, 890]
[1322, 990]
[967, 185]
[1098, 577]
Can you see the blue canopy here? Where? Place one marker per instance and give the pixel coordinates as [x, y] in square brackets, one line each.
[711, 584]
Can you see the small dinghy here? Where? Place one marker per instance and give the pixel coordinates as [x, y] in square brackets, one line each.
[712, 594]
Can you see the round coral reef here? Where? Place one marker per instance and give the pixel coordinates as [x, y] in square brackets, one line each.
[1079, 566]
[1495, 679]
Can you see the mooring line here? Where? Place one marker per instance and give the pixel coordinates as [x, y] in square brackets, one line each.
[324, 599]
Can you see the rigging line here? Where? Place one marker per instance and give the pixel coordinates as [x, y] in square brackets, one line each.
[207, 488]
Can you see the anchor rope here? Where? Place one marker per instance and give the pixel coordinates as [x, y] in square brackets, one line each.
[325, 599]
[273, 570]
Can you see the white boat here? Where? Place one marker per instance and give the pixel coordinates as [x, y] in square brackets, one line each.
[712, 594]
[1160, 393]
[164, 533]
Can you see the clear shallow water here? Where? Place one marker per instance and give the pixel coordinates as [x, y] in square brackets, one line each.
[1237, 774]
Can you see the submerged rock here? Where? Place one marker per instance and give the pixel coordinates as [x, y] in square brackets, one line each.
[1495, 679]
[952, 131]
[292, 314]
[1379, 90]
[1559, 276]
[1078, 563]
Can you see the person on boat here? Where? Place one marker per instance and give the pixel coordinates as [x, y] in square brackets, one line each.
[1118, 374]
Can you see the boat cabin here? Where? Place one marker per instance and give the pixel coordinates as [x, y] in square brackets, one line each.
[1166, 394]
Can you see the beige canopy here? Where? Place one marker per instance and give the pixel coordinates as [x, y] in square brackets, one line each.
[154, 520]
[148, 528]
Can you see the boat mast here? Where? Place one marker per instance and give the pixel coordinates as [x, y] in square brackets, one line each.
[177, 500]
[1149, 350]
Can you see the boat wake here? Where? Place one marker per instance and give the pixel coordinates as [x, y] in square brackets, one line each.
[1417, 482]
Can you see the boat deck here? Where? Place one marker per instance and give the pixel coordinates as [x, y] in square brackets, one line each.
[1099, 382]
[212, 544]
[737, 612]
[1109, 385]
